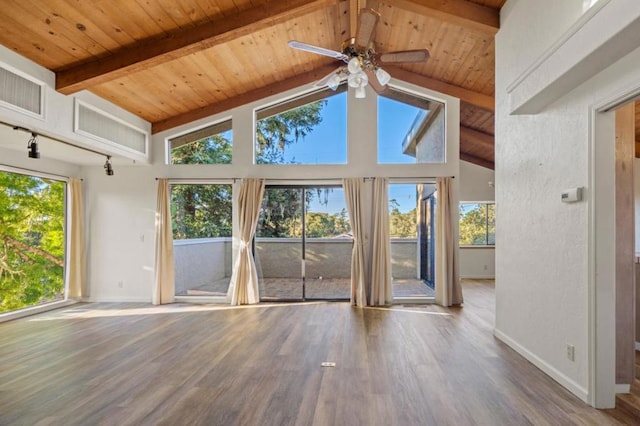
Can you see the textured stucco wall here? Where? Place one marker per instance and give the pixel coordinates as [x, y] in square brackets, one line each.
[430, 149]
[199, 262]
[542, 244]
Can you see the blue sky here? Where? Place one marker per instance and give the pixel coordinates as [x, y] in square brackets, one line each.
[326, 144]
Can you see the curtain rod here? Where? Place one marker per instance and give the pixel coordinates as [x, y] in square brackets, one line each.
[53, 138]
[300, 179]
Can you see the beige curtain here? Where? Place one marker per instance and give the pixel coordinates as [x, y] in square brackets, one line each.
[354, 193]
[448, 288]
[164, 286]
[380, 292]
[76, 244]
[243, 288]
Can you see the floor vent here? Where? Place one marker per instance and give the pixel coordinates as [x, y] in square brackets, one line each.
[97, 124]
[21, 94]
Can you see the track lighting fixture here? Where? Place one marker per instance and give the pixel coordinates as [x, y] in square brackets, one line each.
[32, 146]
[107, 166]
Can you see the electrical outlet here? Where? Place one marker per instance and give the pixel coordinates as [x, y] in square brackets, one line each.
[571, 352]
[120, 284]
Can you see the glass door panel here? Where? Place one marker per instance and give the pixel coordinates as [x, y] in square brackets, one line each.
[411, 229]
[328, 245]
[278, 244]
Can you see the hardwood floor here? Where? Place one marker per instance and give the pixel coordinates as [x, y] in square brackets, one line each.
[135, 364]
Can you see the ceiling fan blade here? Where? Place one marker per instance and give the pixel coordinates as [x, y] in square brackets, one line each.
[420, 55]
[367, 21]
[324, 80]
[374, 82]
[318, 50]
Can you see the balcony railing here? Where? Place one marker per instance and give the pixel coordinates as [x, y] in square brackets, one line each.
[204, 266]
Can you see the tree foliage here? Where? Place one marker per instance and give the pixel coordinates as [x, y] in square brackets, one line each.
[275, 133]
[31, 240]
[201, 211]
[402, 225]
[215, 149]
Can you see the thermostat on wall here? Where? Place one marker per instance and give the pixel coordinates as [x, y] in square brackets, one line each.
[572, 195]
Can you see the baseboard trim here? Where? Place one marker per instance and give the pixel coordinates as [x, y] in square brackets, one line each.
[623, 388]
[549, 370]
[477, 277]
[202, 299]
[99, 299]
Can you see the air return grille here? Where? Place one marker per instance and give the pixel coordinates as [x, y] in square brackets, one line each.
[20, 93]
[104, 127]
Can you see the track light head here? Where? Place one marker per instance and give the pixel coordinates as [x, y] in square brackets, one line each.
[32, 146]
[107, 166]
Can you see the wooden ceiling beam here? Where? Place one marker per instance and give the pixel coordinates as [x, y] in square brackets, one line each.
[151, 53]
[477, 161]
[477, 147]
[480, 100]
[460, 12]
[477, 138]
[243, 99]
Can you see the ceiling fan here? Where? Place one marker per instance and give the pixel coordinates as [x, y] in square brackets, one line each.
[361, 59]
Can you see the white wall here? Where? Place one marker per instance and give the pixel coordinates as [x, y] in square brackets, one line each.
[542, 244]
[121, 232]
[476, 262]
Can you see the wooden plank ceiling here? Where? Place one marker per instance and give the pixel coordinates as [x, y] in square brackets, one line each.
[172, 62]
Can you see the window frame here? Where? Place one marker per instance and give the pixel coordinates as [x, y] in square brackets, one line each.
[486, 223]
[66, 244]
[207, 130]
[290, 103]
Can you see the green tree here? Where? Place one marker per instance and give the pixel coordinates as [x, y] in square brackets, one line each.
[31, 240]
[201, 211]
[325, 225]
[402, 225]
[275, 133]
[215, 149]
[477, 225]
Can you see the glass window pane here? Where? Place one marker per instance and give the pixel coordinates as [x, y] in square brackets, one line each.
[491, 223]
[210, 145]
[32, 256]
[477, 224]
[311, 129]
[410, 129]
[202, 230]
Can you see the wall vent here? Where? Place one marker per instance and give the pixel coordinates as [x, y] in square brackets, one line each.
[96, 124]
[21, 94]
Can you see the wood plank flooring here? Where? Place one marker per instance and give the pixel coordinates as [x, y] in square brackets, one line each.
[135, 364]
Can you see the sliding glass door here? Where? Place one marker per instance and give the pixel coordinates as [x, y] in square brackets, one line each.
[303, 244]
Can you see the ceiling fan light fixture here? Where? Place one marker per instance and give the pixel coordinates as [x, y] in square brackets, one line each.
[358, 79]
[354, 66]
[383, 76]
[334, 82]
[361, 92]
